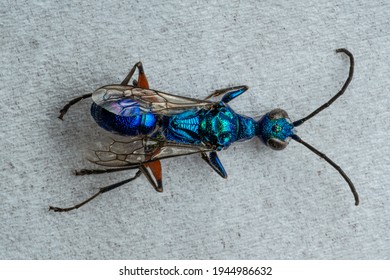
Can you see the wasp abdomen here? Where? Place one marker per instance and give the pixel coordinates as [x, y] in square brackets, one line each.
[140, 123]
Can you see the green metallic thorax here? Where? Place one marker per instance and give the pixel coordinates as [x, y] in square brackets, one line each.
[217, 128]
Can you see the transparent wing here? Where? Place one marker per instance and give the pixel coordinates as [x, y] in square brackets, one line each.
[126, 100]
[140, 150]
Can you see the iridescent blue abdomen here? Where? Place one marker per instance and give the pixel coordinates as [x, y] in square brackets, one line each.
[139, 123]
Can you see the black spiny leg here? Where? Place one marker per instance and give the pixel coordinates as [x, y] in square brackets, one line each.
[82, 172]
[101, 191]
[72, 102]
[131, 73]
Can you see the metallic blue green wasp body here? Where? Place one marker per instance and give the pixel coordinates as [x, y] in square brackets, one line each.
[161, 125]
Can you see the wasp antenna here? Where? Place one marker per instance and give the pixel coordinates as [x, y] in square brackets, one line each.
[347, 82]
[342, 173]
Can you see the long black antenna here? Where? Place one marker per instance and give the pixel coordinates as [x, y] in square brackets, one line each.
[342, 173]
[315, 112]
[327, 104]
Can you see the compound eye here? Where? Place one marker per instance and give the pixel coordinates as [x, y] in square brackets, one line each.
[276, 144]
[276, 114]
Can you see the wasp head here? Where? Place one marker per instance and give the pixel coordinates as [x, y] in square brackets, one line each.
[275, 129]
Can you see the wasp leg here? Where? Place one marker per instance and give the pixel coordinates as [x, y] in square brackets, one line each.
[228, 93]
[101, 191]
[82, 172]
[72, 102]
[152, 172]
[142, 80]
[131, 73]
[215, 163]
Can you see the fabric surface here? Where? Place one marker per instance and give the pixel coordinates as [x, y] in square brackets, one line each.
[274, 205]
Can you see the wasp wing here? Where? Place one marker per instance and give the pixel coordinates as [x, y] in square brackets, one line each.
[141, 150]
[124, 100]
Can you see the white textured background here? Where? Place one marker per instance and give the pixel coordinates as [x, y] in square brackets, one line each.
[275, 205]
